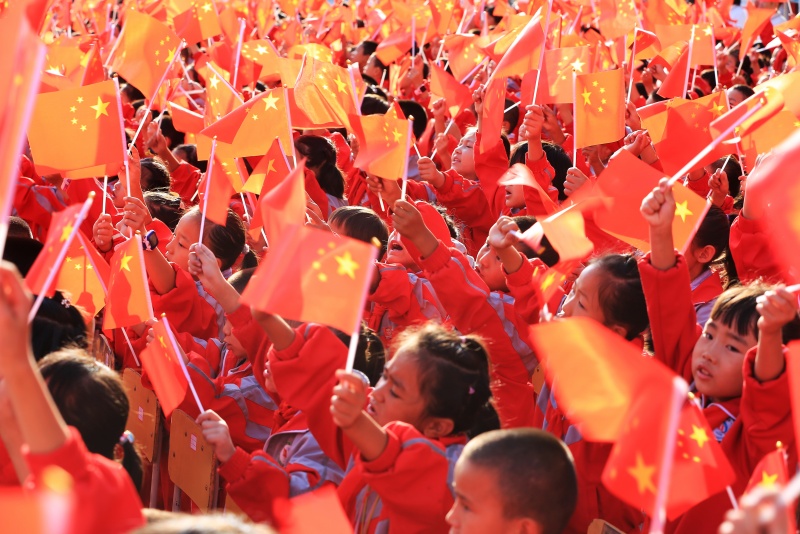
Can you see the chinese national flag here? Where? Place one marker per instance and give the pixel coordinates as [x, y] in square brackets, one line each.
[757, 20]
[625, 182]
[457, 96]
[519, 174]
[261, 52]
[492, 115]
[669, 55]
[61, 226]
[221, 98]
[325, 94]
[317, 511]
[600, 109]
[793, 372]
[702, 46]
[269, 172]
[185, 120]
[128, 301]
[162, 364]
[145, 50]
[771, 102]
[597, 373]
[699, 469]
[383, 143]
[559, 64]
[84, 275]
[464, 54]
[220, 190]
[646, 44]
[313, 276]
[523, 54]
[772, 472]
[198, 23]
[250, 129]
[77, 130]
[566, 232]
[283, 207]
[665, 12]
[674, 85]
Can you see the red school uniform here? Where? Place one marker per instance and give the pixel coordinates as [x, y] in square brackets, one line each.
[407, 488]
[752, 253]
[747, 427]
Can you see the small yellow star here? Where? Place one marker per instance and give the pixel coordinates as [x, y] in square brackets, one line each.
[83, 127]
[255, 117]
[682, 210]
[271, 166]
[214, 82]
[600, 109]
[80, 100]
[643, 474]
[100, 108]
[66, 231]
[207, 7]
[595, 83]
[73, 109]
[74, 121]
[261, 49]
[602, 90]
[347, 267]
[123, 264]
[270, 101]
[699, 435]
[162, 342]
[77, 266]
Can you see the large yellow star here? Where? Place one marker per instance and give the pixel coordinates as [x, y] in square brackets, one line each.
[768, 480]
[269, 102]
[347, 267]
[643, 474]
[66, 231]
[123, 264]
[271, 166]
[717, 109]
[162, 342]
[340, 84]
[397, 135]
[261, 49]
[586, 94]
[100, 108]
[682, 210]
[577, 65]
[214, 82]
[207, 7]
[699, 435]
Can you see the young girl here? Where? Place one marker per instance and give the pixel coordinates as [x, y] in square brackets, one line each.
[708, 245]
[324, 181]
[735, 363]
[412, 430]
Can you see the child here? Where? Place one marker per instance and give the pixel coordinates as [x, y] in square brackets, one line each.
[412, 430]
[515, 481]
[708, 245]
[323, 179]
[736, 363]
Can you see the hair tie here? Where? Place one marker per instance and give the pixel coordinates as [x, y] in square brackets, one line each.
[126, 437]
[65, 302]
[246, 249]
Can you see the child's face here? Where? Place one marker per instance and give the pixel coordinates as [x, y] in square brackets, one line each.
[583, 300]
[477, 507]
[735, 97]
[118, 195]
[231, 340]
[717, 360]
[488, 266]
[463, 159]
[397, 396]
[396, 253]
[187, 233]
[515, 197]
[269, 382]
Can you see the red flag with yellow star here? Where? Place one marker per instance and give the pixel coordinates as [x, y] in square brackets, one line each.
[84, 276]
[282, 207]
[198, 23]
[675, 84]
[269, 172]
[78, 129]
[492, 116]
[325, 94]
[162, 363]
[217, 179]
[523, 54]
[757, 20]
[61, 226]
[699, 467]
[771, 471]
[128, 301]
[559, 64]
[464, 54]
[383, 143]
[457, 96]
[146, 48]
[313, 276]
[600, 109]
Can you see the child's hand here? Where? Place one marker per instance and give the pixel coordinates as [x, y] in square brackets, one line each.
[135, 166]
[551, 126]
[441, 144]
[205, 266]
[103, 233]
[718, 183]
[574, 180]
[136, 215]
[500, 237]
[216, 432]
[429, 173]
[777, 308]
[349, 399]
[632, 118]
[439, 109]
[637, 142]
[534, 122]
[478, 97]
[408, 222]
[658, 207]
[761, 512]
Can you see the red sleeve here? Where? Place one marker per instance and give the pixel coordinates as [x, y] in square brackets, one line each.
[751, 251]
[400, 293]
[316, 193]
[36, 203]
[489, 167]
[186, 309]
[304, 374]
[569, 146]
[254, 482]
[700, 186]
[185, 180]
[521, 285]
[411, 477]
[466, 200]
[543, 173]
[102, 488]
[673, 322]
[254, 340]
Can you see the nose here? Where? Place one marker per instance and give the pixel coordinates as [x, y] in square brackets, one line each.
[451, 516]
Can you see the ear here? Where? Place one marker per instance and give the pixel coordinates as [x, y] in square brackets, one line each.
[219, 263]
[437, 427]
[619, 330]
[705, 254]
[529, 526]
[506, 127]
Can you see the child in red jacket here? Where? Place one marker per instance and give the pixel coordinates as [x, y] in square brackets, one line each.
[409, 433]
[735, 361]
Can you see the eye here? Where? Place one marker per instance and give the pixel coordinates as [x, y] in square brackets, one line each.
[733, 349]
[707, 335]
[393, 394]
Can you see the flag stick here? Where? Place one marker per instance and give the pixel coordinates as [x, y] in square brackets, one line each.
[714, 55]
[208, 188]
[632, 63]
[130, 346]
[351, 349]
[105, 192]
[405, 161]
[716, 142]
[541, 52]
[238, 54]
[575, 114]
[383, 78]
[732, 497]
[679, 391]
[114, 48]
[512, 106]
[413, 38]
[689, 63]
[424, 37]
[473, 71]
[145, 275]
[790, 491]
[56, 267]
[158, 88]
[288, 120]
[176, 348]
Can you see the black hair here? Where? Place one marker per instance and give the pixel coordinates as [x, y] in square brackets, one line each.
[736, 309]
[621, 294]
[361, 223]
[58, 323]
[715, 231]
[132, 93]
[164, 206]
[240, 279]
[374, 105]
[534, 472]
[159, 178]
[175, 137]
[511, 116]
[373, 89]
[225, 242]
[370, 353]
[191, 156]
[368, 47]
[547, 254]
[91, 398]
[379, 64]
[18, 227]
[321, 157]
[745, 90]
[556, 156]
[733, 170]
[710, 78]
[414, 109]
[453, 373]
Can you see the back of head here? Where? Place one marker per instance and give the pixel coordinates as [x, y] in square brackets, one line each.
[511, 116]
[534, 471]
[453, 373]
[561, 163]
[22, 252]
[414, 109]
[361, 223]
[736, 309]
[57, 324]
[714, 231]
[374, 104]
[164, 206]
[621, 295]
[157, 176]
[174, 523]
[18, 227]
[240, 279]
[226, 242]
[321, 157]
[91, 398]
[174, 136]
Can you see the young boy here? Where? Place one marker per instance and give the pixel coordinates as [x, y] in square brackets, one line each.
[518, 481]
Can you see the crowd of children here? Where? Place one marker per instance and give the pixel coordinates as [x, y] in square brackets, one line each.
[444, 423]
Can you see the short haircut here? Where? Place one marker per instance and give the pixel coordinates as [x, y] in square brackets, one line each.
[736, 309]
[414, 109]
[369, 47]
[535, 474]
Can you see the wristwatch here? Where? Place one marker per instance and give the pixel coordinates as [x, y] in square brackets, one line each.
[150, 240]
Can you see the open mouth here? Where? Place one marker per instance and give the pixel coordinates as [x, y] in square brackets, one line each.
[703, 373]
[396, 246]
